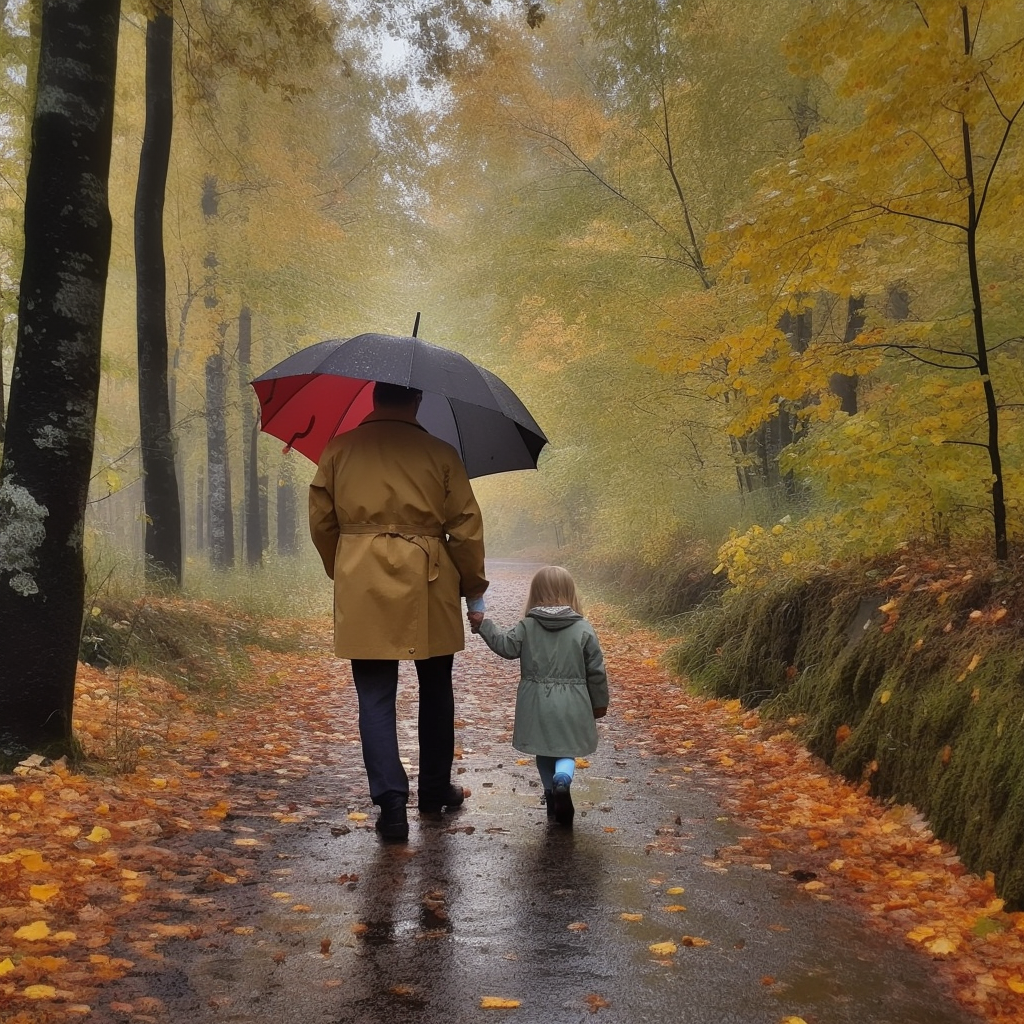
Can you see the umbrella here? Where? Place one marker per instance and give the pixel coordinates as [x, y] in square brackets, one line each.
[326, 389]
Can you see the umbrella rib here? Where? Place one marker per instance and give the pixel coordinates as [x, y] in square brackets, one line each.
[265, 422]
[344, 412]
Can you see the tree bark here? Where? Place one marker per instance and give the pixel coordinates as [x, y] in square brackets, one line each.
[1002, 549]
[844, 385]
[220, 528]
[287, 513]
[160, 484]
[250, 435]
[48, 448]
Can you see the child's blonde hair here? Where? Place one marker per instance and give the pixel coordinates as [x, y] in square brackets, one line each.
[553, 587]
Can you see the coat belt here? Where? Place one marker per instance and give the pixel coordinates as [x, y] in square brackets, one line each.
[399, 529]
[424, 537]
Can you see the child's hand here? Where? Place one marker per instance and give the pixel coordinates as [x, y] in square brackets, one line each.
[600, 712]
[475, 618]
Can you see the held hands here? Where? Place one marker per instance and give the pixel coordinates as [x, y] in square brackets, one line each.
[600, 712]
[475, 618]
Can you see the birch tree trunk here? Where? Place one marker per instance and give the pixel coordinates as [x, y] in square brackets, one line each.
[48, 447]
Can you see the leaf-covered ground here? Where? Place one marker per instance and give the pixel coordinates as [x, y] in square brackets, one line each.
[103, 872]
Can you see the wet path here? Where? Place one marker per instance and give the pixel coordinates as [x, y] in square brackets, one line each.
[495, 902]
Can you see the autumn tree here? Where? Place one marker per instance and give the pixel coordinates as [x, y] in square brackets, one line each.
[910, 185]
[49, 440]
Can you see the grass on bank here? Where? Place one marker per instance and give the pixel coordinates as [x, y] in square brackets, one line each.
[907, 674]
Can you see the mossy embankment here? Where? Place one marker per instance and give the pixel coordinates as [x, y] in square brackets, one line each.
[908, 675]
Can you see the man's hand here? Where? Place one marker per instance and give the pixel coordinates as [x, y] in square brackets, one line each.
[475, 618]
[600, 712]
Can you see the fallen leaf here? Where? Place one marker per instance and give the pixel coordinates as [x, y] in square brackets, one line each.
[33, 932]
[595, 1002]
[357, 816]
[6, 966]
[497, 1003]
[692, 940]
[99, 834]
[325, 946]
[631, 917]
[42, 893]
[39, 992]
[663, 948]
[674, 908]
[676, 890]
[578, 926]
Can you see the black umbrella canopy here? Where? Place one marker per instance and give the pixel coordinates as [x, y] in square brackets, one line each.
[324, 390]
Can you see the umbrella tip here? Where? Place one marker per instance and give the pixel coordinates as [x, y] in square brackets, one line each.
[416, 325]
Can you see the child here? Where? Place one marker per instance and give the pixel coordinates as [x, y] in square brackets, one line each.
[563, 686]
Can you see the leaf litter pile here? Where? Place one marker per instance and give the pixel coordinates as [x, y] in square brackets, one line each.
[102, 870]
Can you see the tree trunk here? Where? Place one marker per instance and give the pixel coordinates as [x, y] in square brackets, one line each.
[220, 527]
[1002, 549]
[250, 435]
[844, 385]
[287, 508]
[200, 512]
[160, 484]
[48, 448]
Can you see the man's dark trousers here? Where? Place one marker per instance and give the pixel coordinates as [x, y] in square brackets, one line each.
[377, 688]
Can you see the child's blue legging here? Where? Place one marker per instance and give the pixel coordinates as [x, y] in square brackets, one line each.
[549, 767]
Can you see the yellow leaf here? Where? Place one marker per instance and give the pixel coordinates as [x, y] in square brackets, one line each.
[497, 1003]
[631, 917]
[676, 890]
[33, 932]
[663, 948]
[65, 936]
[357, 816]
[98, 835]
[582, 762]
[1014, 984]
[793, 1020]
[6, 966]
[885, 696]
[247, 842]
[39, 992]
[32, 861]
[941, 946]
[674, 908]
[920, 933]
[244, 931]
[281, 895]
[43, 892]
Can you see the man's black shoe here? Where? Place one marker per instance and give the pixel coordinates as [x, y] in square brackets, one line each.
[393, 822]
[451, 801]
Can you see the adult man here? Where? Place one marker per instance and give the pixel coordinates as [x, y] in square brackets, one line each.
[394, 518]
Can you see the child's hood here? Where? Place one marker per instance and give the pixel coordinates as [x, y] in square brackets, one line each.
[554, 618]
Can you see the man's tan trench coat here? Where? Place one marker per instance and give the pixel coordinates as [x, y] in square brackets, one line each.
[394, 518]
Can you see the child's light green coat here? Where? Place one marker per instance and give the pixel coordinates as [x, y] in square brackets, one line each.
[562, 680]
